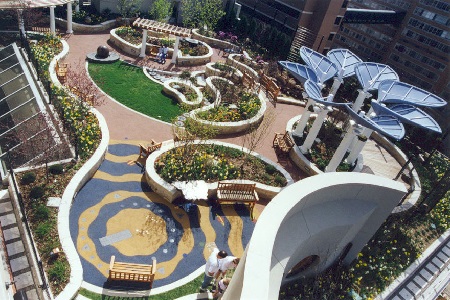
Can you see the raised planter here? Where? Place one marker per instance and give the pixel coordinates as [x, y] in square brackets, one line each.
[170, 193]
[181, 98]
[129, 48]
[311, 169]
[83, 28]
[231, 127]
[231, 60]
[216, 43]
[211, 71]
[188, 60]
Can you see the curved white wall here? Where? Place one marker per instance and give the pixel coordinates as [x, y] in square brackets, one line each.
[319, 215]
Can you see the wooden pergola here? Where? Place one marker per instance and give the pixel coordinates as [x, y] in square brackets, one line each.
[153, 25]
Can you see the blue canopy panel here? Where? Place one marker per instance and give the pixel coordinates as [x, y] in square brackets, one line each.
[322, 65]
[384, 124]
[315, 93]
[391, 91]
[301, 72]
[409, 114]
[370, 75]
[345, 61]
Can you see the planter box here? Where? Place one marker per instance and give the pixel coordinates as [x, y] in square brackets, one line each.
[181, 98]
[195, 60]
[231, 60]
[170, 193]
[211, 71]
[131, 49]
[216, 43]
[231, 127]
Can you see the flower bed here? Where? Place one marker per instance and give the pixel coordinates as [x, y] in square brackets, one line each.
[132, 44]
[44, 51]
[247, 107]
[221, 162]
[185, 93]
[200, 54]
[234, 60]
[214, 42]
[222, 70]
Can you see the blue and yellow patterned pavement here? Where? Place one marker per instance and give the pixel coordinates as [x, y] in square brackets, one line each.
[117, 213]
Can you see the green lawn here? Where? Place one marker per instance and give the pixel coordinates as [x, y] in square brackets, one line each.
[187, 289]
[128, 85]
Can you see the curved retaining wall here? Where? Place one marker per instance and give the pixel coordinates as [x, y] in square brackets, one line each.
[230, 127]
[216, 43]
[231, 60]
[181, 98]
[83, 28]
[310, 168]
[195, 60]
[170, 193]
[128, 48]
[211, 71]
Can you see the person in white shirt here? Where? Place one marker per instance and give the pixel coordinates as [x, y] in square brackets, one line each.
[212, 267]
[229, 262]
[221, 287]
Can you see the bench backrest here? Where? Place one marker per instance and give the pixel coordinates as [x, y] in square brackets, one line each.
[154, 147]
[236, 188]
[288, 140]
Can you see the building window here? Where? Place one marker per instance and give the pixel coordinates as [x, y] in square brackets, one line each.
[338, 20]
[344, 4]
[331, 36]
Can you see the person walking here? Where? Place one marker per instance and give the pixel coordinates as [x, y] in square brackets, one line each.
[212, 267]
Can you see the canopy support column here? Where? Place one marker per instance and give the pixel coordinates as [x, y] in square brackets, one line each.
[315, 128]
[175, 50]
[304, 119]
[342, 149]
[360, 99]
[69, 18]
[52, 20]
[144, 43]
[359, 145]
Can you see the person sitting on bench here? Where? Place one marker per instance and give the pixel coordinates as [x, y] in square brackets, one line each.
[165, 50]
[159, 55]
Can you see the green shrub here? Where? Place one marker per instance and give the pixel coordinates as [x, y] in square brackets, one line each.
[37, 192]
[28, 177]
[56, 169]
[57, 271]
[43, 230]
[270, 169]
[280, 180]
[42, 212]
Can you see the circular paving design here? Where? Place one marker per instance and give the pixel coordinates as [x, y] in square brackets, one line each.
[116, 213]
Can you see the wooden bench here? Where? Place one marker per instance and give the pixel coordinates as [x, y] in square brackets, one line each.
[131, 272]
[147, 150]
[231, 193]
[283, 142]
[61, 71]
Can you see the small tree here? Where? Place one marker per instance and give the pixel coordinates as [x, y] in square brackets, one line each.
[197, 13]
[160, 10]
[129, 8]
[82, 86]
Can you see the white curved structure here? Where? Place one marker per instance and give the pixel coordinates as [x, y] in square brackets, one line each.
[328, 216]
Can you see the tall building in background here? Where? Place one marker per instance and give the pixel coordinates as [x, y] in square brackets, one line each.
[311, 23]
[417, 48]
